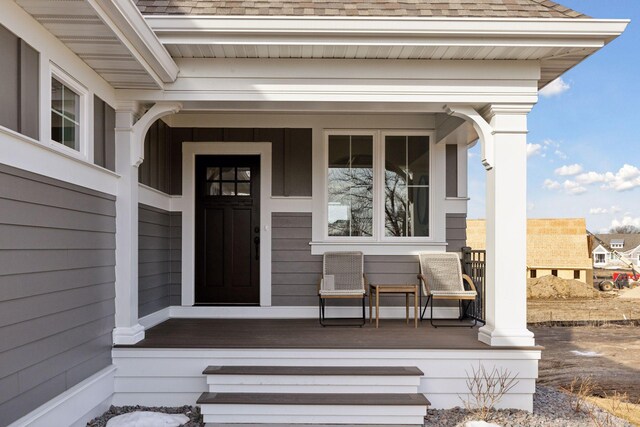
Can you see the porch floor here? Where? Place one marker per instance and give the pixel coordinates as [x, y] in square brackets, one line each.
[306, 333]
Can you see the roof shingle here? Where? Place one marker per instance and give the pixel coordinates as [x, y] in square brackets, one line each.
[389, 8]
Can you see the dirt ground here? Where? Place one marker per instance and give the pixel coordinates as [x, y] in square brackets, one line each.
[599, 309]
[609, 354]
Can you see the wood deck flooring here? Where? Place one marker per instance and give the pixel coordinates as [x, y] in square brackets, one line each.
[306, 334]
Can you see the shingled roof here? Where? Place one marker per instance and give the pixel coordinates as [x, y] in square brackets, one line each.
[408, 8]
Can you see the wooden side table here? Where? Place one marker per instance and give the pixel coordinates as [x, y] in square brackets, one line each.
[394, 289]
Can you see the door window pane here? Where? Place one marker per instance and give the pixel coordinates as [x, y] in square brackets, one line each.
[350, 185]
[244, 189]
[406, 177]
[228, 188]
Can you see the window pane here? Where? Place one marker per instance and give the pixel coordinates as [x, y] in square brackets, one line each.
[228, 189]
[213, 188]
[213, 174]
[228, 174]
[406, 186]
[418, 159]
[418, 221]
[244, 189]
[350, 185]
[71, 104]
[56, 95]
[69, 134]
[56, 127]
[244, 174]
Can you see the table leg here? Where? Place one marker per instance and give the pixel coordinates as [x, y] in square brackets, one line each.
[416, 309]
[377, 308]
[370, 305]
[406, 307]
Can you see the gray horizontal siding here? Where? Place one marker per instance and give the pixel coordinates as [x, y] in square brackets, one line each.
[456, 232]
[57, 273]
[295, 272]
[154, 259]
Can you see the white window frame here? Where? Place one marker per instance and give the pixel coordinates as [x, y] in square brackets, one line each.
[82, 152]
[378, 232]
[604, 258]
[382, 157]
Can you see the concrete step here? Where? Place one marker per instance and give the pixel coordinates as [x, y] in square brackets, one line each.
[314, 408]
[312, 379]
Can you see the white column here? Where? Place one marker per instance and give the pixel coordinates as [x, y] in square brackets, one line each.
[506, 210]
[127, 330]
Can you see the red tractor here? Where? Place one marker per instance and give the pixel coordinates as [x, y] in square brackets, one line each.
[620, 280]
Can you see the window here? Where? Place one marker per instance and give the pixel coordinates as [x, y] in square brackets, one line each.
[576, 274]
[600, 258]
[406, 186]
[534, 274]
[228, 181]
[65, 115]
[350, 185]
[378, 185]
[554, 273]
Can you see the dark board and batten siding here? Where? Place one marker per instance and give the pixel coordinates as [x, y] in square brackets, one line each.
[291, 155]
[159, 259]
[19, 85]
[57, 274]
[104, 136]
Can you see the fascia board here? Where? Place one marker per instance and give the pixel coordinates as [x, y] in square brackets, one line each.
[522, 31]
[128, 24]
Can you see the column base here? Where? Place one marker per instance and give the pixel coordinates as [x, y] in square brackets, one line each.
[129, 335]
[506, 337]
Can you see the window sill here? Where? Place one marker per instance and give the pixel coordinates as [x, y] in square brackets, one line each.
[378, 248]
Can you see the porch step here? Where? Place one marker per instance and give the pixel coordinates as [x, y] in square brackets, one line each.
[314, 408]
[312, 379]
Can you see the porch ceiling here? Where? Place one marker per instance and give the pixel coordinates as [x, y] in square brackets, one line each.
[109, 38]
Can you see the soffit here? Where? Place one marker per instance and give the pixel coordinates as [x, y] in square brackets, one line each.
[80, 27]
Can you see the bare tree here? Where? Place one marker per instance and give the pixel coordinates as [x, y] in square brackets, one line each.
[625, 229]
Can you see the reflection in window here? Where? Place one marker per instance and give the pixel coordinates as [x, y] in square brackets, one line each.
[406, 206]
[228, 181]
[65, 115]
[350, 181]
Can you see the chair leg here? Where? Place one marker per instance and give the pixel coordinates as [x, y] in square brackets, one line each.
[424, 310]
[463, 309]
[323, 318]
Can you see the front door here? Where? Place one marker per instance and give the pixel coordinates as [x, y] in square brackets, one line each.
[227, 255]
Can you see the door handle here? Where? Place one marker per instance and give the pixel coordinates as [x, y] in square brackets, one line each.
[256, 241]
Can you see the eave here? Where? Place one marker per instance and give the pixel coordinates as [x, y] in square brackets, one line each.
[559, 44]
[111, 36]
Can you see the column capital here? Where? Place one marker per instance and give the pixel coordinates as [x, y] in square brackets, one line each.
[140, 128]
[491, 110]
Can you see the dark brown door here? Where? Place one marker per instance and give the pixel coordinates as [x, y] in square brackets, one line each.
[227, 230]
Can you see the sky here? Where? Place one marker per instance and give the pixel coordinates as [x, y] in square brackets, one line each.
[584, 134]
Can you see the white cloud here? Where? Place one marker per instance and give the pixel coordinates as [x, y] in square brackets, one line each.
[533, 149]
[554, 88]
[569, 170]
[531, 206]
[626, 220]
[572, 187]
[598, 211]
[560, 154]
[615, 209]
[626, 178]
[550, 184]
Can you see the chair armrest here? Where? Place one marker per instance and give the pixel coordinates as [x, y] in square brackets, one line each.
[469, 280]
[366, 283]
[425, 284]
[319, 285]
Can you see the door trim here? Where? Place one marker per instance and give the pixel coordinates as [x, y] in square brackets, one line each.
[189, 152]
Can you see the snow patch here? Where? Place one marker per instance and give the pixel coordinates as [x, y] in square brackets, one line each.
[480, 424]
[148, 419]
[586, 353]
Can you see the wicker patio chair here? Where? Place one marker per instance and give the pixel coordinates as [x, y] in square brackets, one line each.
[342, 277]
[442, 279]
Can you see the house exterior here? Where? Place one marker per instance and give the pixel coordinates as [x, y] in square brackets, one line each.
[626, 244]
[195, 159]
[555, 246]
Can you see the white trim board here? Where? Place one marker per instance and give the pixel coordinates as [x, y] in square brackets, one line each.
[76, 406]
[155, 318]
[189, 152]
[294, 312]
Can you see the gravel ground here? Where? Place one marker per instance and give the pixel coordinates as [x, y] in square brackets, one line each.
[551, 408]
